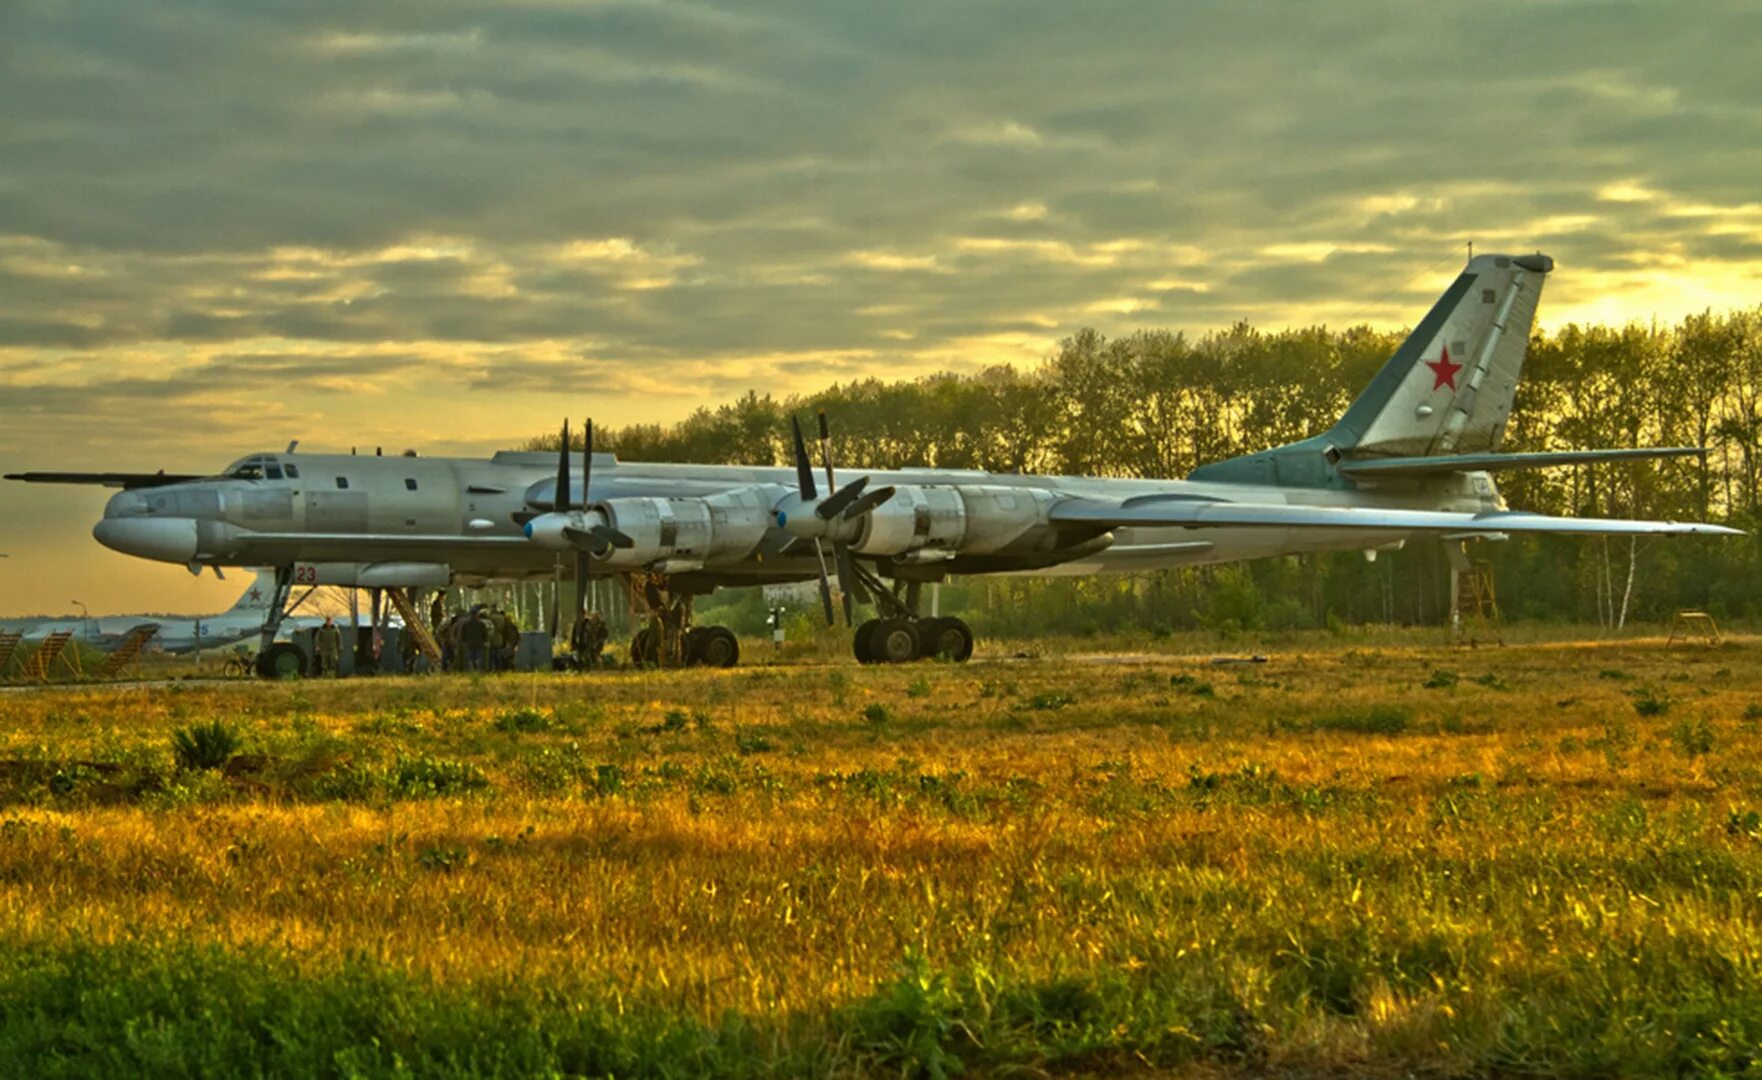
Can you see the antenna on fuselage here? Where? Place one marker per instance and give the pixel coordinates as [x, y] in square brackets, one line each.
[292, 443]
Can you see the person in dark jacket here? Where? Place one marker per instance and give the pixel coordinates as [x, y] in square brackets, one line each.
[473, 637]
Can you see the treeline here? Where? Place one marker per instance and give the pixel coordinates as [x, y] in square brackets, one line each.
[1158, 403]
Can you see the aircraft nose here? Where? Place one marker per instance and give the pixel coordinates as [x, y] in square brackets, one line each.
[125, 504]
[165, 539]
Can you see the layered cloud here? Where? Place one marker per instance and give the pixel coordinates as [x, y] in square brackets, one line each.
[443, 223]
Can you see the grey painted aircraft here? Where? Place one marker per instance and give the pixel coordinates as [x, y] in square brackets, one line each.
[175, 633]
[1413, 457]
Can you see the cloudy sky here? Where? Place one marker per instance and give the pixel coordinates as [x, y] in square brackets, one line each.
[441, 224]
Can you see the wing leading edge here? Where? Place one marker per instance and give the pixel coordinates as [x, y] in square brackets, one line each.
[1194, 514]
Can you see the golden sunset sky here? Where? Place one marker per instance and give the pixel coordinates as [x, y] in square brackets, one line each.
[442, 225]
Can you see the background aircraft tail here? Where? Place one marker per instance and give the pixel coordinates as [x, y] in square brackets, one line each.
[258, 595]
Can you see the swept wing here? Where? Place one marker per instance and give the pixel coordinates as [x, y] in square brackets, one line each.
[1200, 514]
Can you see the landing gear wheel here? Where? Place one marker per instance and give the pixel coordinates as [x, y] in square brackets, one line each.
[859, 642]
[947, 638]
[645, 650]
[712, 646]
[282, 660]
[896, 641]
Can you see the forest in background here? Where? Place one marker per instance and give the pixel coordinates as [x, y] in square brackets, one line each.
[1158, 403]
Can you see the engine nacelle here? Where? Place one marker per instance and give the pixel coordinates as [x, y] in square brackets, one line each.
[685, 532]
[969, 519]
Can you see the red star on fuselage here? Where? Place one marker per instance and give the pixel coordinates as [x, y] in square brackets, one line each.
[1443, 371]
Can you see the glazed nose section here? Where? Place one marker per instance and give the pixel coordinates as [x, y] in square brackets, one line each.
[165, 539]
[126, 504]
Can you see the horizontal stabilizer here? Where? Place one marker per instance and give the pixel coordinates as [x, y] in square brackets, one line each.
[1390, 468]
[1199, 514]
[128, 481]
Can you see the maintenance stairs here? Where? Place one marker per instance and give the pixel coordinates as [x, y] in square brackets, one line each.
[415, 626]
[1477, 605]
[54, 647]
[126, 652]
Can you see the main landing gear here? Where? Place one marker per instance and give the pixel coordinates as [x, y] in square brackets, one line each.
[280, 659]
[668, 639]
[901, 635]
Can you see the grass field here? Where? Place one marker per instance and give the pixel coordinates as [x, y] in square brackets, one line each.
[1536, 859]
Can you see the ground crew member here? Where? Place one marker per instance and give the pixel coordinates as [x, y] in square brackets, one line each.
[510, 641]
[407, 651]
[473, 637]
[589, 640]
[328, 644]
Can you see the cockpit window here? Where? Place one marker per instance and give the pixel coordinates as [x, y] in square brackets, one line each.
[248, 469]
[292, 470]
[273, 471]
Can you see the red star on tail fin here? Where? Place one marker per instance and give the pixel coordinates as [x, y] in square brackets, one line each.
[1443, 371]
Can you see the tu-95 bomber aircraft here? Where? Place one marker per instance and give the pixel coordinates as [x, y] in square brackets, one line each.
[1412, 457]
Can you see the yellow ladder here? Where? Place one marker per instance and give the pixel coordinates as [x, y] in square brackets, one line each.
[53, 647]
[129, 649]
[9, 640]
[413, 624]
[1478, 603]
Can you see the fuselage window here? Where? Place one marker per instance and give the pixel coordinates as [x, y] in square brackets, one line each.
[292, 470]
[273, 471]
[342, 482]
[409, 484]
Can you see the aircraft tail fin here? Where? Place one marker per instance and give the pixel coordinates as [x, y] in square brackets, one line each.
[258, 595]
[1447, 390]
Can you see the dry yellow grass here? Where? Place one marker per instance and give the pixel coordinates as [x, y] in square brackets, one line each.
[1373, 856]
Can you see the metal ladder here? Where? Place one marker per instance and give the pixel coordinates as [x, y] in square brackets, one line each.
[129, 649]
[413, 624]
[53, 647]
[9, 640]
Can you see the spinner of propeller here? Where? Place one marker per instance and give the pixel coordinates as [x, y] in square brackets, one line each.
[587, 529]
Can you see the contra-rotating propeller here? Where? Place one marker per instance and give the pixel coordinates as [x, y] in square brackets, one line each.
[836, 518]
[588, 535]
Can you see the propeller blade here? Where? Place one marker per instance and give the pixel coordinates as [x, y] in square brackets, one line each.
[857, 589]
[804, 470]
[867, 503]
[560, 498]
[847, 579]
[826, 452]
[581, 558]
[825, 583]
[588, 540]
[841, 498]
[586, 459]
[613, 537]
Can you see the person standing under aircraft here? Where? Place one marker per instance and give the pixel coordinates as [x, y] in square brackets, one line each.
[588, 640]
[407, 652]
[473, 637]
[510, 641]
[327, 643]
